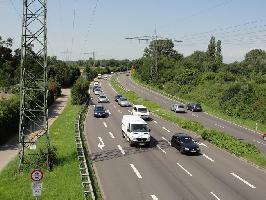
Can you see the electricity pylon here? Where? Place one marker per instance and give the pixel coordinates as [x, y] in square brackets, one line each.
[33, 78]
[153, 40]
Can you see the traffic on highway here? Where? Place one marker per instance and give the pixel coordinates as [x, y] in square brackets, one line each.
[139, 158]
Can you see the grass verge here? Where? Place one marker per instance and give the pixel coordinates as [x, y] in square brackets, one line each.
[220, 139]
[251, 124]
[63, 183]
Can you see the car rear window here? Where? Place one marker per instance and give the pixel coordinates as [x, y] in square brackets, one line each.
[142, 109]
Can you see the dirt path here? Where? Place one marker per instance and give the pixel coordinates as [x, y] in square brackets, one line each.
[9, 150]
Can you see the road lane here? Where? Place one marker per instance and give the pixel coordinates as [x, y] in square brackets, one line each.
[159, 171]
[202, 117]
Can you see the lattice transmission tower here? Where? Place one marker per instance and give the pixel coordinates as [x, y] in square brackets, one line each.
[33, 78]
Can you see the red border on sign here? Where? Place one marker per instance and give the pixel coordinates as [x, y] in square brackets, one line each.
[36, 170]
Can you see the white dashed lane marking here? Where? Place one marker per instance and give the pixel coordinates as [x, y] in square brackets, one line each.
[166, 140]
[105, 125]
[154, 197]
[161, 149]
[207, 157]
[216, 197]
[184, 169]
[166, 129]
[243, 180]
[111, 134]
[155, 122]
[121, 149]
[136, 171]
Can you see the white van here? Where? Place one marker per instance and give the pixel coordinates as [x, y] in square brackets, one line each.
[99, 76]
[141, 111]
[135, 130]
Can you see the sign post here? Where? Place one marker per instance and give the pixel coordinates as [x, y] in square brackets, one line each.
[36, 177]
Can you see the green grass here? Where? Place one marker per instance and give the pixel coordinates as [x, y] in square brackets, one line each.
[251, 124]
[63, 183]
[220, 139]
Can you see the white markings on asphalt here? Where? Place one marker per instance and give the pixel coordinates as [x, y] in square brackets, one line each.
[202, 144]
[215, 196]
[209, 158]
[111, 134]
[166, 140]
[101, 144]
[155, 122]
[259, 142]
[119, 111]
[194, 115]
[136, 171]
[243, 180]
[154, 197]
[129, 111]
[219, 125]
[105, 125]
[184, 169]
[114, 106]
[160, 148]
[166, 129]
[121, 149]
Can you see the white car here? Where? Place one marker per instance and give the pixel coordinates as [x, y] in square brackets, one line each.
[141, 111]
[105, 77]
[103, 99]
[97, 91]
[96, 83]
[123, 102]
[178, 108]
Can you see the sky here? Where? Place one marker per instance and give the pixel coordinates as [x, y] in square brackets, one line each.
[76, 28]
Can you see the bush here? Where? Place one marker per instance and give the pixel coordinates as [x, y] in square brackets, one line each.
[9, 118]
[79, 92]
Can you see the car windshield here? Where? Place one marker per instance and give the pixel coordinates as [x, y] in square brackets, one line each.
[197, 105]
[142, 110]
[103, 97]
[118, 96]
[180, 106]
[187, 139]
[139, 127]
[97, 89]
[99, 108]
[123, 99]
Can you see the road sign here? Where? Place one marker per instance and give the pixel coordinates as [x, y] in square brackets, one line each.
[36, 175]
[36, 189]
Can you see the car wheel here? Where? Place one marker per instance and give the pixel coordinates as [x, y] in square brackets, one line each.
[172, 144]
[182, 150]
[123, 135]
[131, 143]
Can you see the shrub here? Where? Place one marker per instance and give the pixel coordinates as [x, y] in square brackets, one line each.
[79, 91]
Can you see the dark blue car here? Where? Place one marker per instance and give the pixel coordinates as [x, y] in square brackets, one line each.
[99, 111]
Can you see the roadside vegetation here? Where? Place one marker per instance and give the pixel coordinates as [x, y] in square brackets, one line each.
[63, 182]
[220, 139]
[60, 75]
[234, 91]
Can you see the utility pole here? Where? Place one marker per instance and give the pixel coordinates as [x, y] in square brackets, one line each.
[153, 40]
[66, 54]
[33, 78]
[93, 56]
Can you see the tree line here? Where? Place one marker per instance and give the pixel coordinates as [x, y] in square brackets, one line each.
[236, 89]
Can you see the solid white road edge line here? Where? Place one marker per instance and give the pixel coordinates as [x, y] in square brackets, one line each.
[243, 180]
[154, 197]
[111, 134]
[121, 149]
[215, 196]
[105, 124]
[184, 169]
[136, 171]
[208, 157]
[161, 149]
[166, 129]
[166, 140]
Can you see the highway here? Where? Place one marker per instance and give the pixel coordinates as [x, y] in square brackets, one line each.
[160, 172]
[209, 121]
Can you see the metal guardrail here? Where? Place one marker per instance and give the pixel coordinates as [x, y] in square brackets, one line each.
[83, 167]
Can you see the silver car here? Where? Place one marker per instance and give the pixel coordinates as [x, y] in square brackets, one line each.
[178, 108]
[123, 102]
[103, 99]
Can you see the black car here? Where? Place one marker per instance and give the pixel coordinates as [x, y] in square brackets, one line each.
[99, 111]
[185, 144]
[194, 107]
[118, 97]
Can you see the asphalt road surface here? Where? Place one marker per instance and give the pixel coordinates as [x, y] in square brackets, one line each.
[204, 118]
[160, 172]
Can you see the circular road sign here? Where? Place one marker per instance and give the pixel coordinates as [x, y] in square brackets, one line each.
[36, 175]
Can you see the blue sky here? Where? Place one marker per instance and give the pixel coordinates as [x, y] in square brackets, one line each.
[102, 25]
